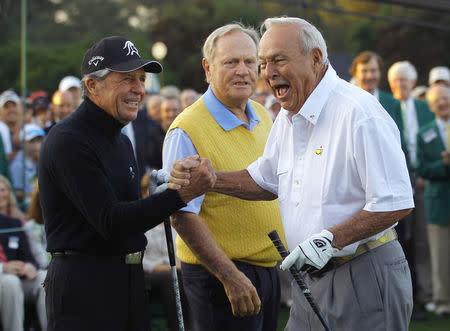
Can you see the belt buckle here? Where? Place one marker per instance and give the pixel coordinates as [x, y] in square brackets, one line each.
[133, 258]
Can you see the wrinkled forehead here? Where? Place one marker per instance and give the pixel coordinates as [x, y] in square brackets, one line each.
[280, 40]
[235, 43]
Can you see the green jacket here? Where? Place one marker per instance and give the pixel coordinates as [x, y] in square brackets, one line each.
[430, 166]
[424, 114]
[394, 109]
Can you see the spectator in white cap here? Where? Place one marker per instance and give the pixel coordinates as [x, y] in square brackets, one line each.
[11, 115]
[73, 85]
[439, 75]
[8, 99]
[33, 135]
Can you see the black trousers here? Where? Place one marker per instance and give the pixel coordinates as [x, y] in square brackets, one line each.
[210, 308]
[161, 283]
[92, 293]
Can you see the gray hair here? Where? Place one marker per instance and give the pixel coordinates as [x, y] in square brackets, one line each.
[99, 75]
[210, 43]
[311, 37]
[170, 92]
[402, 67]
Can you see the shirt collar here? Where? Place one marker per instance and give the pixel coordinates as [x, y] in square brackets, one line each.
[99, 118]
[410, 103]
[441, 123]
[224, 117]
[313, 106]
[376, 94]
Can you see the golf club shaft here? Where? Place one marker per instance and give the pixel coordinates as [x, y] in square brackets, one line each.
[173, 267]
[273, 235]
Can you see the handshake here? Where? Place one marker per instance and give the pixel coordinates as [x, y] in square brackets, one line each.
[191, 177]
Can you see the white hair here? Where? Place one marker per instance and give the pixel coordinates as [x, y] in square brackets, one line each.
[99, 75]
[402, 67]
[311, 37]
[209, 45]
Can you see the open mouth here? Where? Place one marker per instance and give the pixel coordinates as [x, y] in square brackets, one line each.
[131, 103]
[240, 84]
[281, 90]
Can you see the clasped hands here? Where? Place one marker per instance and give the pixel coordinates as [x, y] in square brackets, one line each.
[192, 177]
[20, 268]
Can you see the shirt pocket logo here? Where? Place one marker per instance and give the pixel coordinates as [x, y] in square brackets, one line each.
[319, 150]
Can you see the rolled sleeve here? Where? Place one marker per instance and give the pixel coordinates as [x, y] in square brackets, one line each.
[382, 166]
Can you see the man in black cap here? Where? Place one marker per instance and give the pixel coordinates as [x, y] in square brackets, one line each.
[89, 186]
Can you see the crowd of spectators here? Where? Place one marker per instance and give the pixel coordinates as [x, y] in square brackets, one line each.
[421, 113]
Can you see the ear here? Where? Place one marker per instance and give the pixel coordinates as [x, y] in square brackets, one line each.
[317, 57]
[206, 67]
[92, 85]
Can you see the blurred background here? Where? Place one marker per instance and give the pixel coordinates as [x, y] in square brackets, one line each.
[60, 31]
[42, 41]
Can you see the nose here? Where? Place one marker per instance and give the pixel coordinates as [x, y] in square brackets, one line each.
[139, 87]
[270, 71]
[241, 69]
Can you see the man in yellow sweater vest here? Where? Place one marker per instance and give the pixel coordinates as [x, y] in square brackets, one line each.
[228, 262]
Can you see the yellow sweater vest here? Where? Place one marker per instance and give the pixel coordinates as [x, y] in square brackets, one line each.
[239, 227]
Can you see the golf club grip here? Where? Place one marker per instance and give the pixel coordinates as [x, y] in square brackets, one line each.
[169, 240]
[273, 235]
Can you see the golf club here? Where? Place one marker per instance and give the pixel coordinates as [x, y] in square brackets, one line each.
[157, 183]
[273, 235]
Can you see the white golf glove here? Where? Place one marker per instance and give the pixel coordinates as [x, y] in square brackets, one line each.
[158, 181]
[315, 251]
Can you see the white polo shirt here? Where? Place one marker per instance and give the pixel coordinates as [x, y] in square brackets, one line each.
[339, 154]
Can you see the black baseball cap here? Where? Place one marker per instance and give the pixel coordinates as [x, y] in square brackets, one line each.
[116, 54]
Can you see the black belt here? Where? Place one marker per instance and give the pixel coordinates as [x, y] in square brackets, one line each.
[131, 258]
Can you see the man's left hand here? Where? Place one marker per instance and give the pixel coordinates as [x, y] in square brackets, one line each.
[315, 251]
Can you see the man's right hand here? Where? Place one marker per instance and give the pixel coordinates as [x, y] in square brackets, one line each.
[192, 177]
[242, 294]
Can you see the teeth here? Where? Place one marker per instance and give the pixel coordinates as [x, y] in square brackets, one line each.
[281, 90]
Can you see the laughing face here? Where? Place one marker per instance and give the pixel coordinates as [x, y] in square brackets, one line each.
[291, 75]
[120, 94]
[233, 70]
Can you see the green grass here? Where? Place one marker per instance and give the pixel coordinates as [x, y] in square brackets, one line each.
[432, 323]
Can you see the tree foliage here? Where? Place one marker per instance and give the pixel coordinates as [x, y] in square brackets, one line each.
[60, 32]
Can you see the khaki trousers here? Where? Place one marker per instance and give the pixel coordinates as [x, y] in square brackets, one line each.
[438, 239]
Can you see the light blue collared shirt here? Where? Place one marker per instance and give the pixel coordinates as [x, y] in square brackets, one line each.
[178, 145]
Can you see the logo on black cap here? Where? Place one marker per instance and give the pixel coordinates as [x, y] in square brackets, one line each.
[131, 48]
[116, 54]
[95, 60]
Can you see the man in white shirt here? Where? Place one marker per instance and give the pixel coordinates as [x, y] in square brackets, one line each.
[335, 162]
